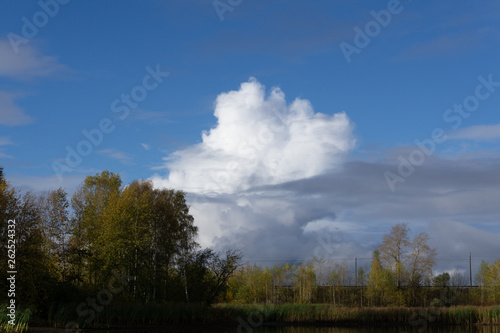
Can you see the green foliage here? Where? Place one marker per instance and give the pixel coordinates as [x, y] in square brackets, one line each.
[382, 288]
[89, 204]
[488, 277]
[138, 231]
[493, 280]
[305, 283]
[249, 284]
[442, 280]
[145, 236]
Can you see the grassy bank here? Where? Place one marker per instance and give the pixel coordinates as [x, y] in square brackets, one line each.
[121, 315]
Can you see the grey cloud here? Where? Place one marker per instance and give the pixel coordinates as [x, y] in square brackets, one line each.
[451, 199]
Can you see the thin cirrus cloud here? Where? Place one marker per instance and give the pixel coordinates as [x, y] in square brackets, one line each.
[28, 63]
[116, 155]
[478, 133]
[10, 113]
[151, 117]
[3, 155]
[4, 141]
[449, 44]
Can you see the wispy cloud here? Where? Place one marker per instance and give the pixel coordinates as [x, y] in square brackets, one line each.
[28, 63]
[2, 155]
[117, 155]
[10, 113]
[477, 133]
[146, 146]
[151, 117]
[450, 43]
[4, 141]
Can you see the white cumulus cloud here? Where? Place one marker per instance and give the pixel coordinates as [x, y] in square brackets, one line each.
[259, 139]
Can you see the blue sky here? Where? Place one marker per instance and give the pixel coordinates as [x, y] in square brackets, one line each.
[358, 115]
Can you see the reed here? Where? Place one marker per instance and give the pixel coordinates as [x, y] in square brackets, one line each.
[120, 315]
[21, 321]
[329, 314]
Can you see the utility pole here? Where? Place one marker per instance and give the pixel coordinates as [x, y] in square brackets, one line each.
[470, 269]
[356, 271]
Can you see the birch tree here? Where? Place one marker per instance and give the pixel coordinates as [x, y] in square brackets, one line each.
[394, 249]
[410, 260]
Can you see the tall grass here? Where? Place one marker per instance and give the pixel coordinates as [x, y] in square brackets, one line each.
[117, 315]
[465, 315]
[329, 314]
[21, 321]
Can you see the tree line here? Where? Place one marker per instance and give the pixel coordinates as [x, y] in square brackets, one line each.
[400, 274]
[70, 249]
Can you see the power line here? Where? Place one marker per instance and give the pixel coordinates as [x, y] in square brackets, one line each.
[306, 259]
